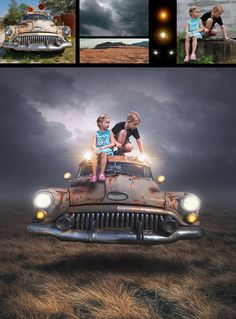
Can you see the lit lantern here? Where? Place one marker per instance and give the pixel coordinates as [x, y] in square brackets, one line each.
[41, 6]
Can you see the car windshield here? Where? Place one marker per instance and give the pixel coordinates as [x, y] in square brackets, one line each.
[37, 17]
[118, 168]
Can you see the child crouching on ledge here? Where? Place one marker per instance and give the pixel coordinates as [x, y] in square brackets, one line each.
[103, 141]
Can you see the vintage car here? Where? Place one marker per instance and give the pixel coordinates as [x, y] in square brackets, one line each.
[37, 32]
[127, 208]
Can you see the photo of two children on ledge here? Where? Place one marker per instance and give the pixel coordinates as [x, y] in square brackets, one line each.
[207, 34]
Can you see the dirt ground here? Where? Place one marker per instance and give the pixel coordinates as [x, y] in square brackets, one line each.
[44, 278]
[130, 55]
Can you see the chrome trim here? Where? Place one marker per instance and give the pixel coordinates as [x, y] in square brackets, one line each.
[115, 236]
[38, 42]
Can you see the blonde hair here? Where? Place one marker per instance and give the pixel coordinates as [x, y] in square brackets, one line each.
[218, 7]
[192, 9]
[101, 118]
[133, 116]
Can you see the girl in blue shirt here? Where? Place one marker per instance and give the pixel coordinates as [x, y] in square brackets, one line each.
[193, 29]
[103, 141]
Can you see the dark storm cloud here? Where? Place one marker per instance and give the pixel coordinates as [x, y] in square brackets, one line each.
[117, 18]
[32, 150]
[133, 17]
[188, 122]
[92, 14]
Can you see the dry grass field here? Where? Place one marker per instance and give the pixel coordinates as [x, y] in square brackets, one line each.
[43, 278]
[124, 55]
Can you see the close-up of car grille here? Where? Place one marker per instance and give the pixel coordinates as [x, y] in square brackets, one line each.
[88, 221]
[36, 39]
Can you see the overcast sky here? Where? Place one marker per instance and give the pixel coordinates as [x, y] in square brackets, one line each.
[188, 126]
[114, 18]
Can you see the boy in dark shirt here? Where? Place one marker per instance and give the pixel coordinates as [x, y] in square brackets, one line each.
[210, 18]
[123, 130]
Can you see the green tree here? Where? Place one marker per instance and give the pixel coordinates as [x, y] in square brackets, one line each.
[15, 13]
[60, 6]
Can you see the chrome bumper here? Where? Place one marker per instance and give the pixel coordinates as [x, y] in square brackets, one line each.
[37, 47]
[123, 236]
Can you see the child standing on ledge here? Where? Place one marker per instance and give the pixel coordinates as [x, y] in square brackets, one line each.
[193, 29]
[103, 141]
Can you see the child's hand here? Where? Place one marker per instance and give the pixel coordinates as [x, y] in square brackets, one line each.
[118, 145]
[206, 30]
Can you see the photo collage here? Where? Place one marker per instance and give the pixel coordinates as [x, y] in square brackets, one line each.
[146, 33]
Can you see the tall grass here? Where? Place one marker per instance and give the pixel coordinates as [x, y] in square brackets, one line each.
[43, 278]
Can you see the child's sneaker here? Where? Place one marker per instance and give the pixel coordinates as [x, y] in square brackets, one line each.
[193, 57]
[93, 179]
[186, 59]
[101, 178]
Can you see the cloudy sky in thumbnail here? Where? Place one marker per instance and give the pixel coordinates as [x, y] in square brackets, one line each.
[114, 17]
[188, 124]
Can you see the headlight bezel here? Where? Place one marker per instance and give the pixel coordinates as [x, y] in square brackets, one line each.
[8, 31]
[66, 30]
[43, 206]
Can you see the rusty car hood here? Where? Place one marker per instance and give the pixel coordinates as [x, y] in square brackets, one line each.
[172, 200]
[139, 191]
[37, 26]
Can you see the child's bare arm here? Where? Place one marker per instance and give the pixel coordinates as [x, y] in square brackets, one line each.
[186, 29]
[140, 145]
[223, 29]
[201, 26]
[94, 147]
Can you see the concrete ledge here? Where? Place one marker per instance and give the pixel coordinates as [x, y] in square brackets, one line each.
[222, 51]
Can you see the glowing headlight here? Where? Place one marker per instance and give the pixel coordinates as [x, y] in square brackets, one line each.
[190, 203]
[141, 158]
[67, 175]
[41, 214]
[43, 200]
[88, 156]
[191, 218]
[8, 31]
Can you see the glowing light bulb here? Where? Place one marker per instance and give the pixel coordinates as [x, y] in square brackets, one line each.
[163, 35]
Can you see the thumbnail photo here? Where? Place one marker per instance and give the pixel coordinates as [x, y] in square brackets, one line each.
[114, 50]
[206, 32]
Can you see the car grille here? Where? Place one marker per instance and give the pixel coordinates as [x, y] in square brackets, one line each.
[91, 221]
[38, 39]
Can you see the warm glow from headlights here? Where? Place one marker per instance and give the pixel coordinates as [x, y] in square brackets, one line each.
[40, 214]
[141, 158]
[43, 200]
[190, 203]
[161, 179]
[67, 175]
[88, 156]
[192, 218]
